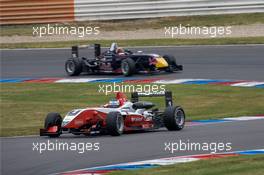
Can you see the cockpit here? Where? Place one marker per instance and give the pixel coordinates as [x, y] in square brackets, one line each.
[116, 50]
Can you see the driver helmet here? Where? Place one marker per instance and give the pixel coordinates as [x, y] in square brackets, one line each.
[120, 50]
[113, 103]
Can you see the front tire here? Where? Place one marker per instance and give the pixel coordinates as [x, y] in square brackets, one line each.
[174, 118]
[53, 119]
[171, 62]
[73, 66]
[128, 67]
[114, 123]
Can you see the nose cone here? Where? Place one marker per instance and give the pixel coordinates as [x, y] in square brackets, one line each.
[161, 63]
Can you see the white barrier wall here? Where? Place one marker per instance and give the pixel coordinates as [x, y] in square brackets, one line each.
[33, 11]
[127, 9]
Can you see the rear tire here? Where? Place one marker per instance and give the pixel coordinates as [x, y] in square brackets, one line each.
[53, 119]
[128, 67]
[174, 118]
[114, 123]
[73, 66]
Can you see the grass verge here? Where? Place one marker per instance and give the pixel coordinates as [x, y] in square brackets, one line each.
[237, 165]
[145, 42]
[25, 105]
[155, 23]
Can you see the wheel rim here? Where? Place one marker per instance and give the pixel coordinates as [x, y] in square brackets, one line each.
[58, 123]
[125, 67]
[70, 67]
[119, 123]
[179, 117]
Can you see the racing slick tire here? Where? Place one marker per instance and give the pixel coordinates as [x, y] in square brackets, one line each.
[171, 62]
[53, 119]
[73, 66]
[128, 67]
[174, 118]
[114, 123]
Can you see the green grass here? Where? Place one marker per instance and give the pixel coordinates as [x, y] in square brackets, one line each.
[25, 105]
[237, 165]
[156, 23]
[139, 42]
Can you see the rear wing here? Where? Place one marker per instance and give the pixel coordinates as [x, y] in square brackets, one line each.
[75, 50]
[167, 94]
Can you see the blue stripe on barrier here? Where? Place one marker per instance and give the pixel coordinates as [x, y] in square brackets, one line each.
[14, 80]
[100, 81]
[253, 152]
[210, 121]
[260, 86]
[113, 80]
[124, 167]
[204, 81]
[108, 81]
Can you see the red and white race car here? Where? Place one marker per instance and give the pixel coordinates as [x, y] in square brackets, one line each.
[117, 117]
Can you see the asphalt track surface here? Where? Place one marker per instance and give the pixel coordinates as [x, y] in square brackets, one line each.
[19, 158]
[209, 62]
